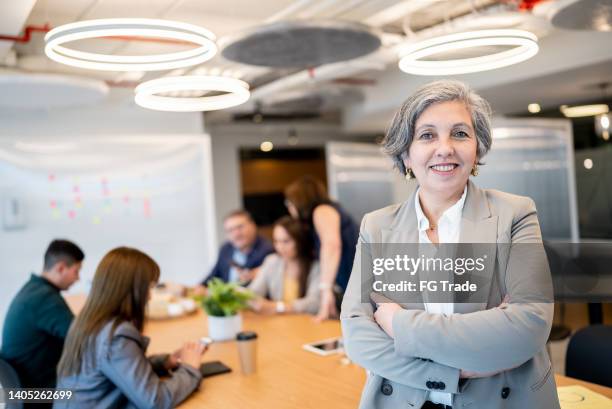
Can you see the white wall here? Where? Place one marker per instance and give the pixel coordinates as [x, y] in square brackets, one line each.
[172, 148]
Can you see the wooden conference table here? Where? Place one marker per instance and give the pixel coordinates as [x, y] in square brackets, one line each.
[287, 376]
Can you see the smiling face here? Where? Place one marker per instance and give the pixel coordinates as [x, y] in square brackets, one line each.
[443, 150]
[241, 231]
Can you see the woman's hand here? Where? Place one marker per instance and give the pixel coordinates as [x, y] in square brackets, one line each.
[173, 360]
[473, 374]
[327, 308]
[263, 306]
[191, 353]
[199, 290]
[384, 316]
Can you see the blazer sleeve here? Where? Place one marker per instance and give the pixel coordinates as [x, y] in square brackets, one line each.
[498, 338]
[126, 366]
[370, 347]
[311, 300]
[260, 285]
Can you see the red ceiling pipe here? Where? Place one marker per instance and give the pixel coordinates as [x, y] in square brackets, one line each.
[27, 35]
[524, 5]
[528, 5]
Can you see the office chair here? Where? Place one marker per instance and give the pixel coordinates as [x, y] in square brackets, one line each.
[9, 379]
[589, 355]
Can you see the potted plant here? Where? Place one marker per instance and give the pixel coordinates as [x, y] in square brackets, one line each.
[222, 303]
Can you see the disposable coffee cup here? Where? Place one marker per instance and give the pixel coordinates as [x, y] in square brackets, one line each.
[247, 349]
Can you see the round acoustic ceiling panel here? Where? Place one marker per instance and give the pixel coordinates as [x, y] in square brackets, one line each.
[43, 91]
[583, 14]
[302, 44]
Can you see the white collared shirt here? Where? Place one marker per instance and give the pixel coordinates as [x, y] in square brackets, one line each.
[449, 230]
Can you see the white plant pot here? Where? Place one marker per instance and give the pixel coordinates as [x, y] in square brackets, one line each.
[224, 328]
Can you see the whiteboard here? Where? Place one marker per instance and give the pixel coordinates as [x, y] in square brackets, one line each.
[154, 193]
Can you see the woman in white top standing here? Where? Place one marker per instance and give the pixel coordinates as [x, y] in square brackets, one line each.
[288, 280]
[490, 354]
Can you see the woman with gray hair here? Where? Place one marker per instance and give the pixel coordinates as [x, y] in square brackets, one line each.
[489, 354]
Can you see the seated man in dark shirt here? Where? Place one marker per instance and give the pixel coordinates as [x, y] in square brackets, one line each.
[38, 318]
[243, 253]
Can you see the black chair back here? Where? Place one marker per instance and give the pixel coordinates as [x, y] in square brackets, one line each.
[9, 379]
[589, 355]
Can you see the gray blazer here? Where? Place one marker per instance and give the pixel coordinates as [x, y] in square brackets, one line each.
[428, 349]
[119, 375]
[269, 283]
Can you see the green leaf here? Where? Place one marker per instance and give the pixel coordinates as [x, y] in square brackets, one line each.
[225, 299]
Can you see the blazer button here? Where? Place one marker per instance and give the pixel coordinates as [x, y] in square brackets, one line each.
[386, 389]
[429, 384]
[505, 392]
[441, 385]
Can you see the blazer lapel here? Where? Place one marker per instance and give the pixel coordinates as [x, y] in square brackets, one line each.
[478, 225]
[404, 231]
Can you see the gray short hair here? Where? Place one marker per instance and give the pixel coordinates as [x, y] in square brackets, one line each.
[401, 131]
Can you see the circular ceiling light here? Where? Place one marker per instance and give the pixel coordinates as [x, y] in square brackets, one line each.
[130, 27]
[413, 62]
[235, 92]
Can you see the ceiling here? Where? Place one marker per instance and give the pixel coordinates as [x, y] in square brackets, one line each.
[364, 91]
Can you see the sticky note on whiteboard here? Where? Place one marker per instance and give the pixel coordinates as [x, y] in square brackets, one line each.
[579, 397]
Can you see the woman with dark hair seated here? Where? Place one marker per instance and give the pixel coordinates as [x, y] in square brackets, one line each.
[103, 362]
[289, 277]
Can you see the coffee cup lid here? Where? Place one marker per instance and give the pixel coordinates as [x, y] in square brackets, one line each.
[246, 336]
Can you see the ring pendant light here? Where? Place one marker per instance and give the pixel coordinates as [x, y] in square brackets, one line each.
[130, 27]
[413, 57]
[236, 92]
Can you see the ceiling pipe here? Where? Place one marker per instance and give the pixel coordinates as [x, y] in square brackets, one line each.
[27, 37]
[27, 34]
[311, 77]
[286, 13]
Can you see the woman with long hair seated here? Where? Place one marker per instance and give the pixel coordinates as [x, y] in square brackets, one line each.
[289, 277]
[104, 362]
